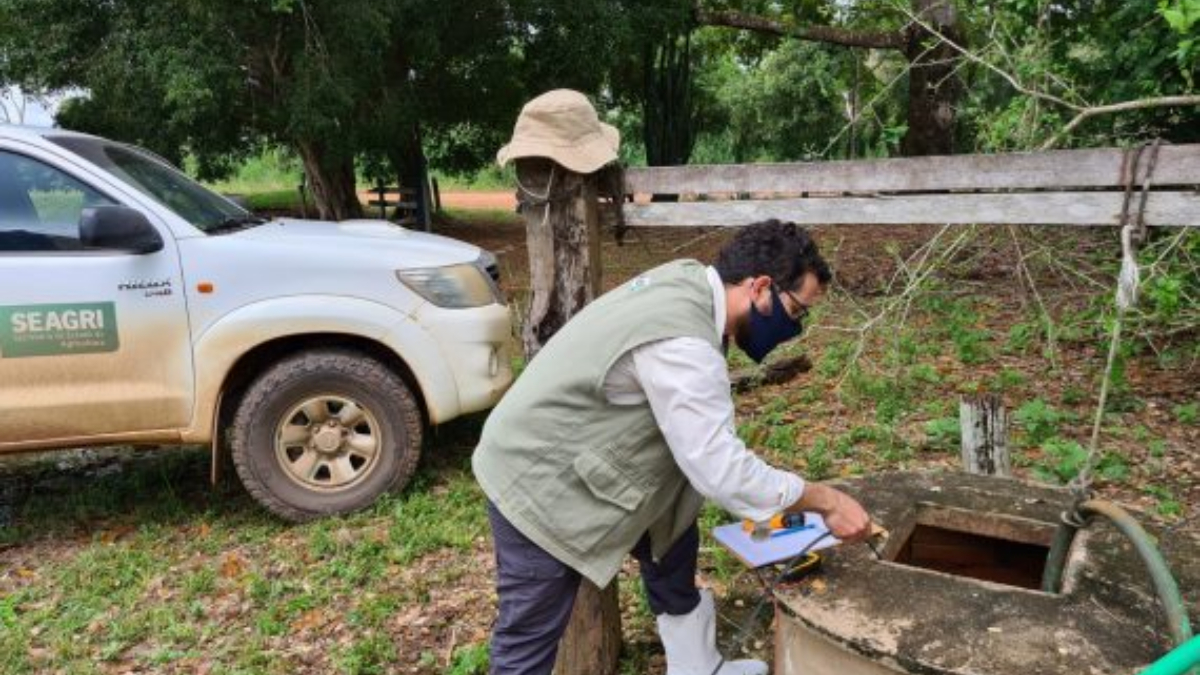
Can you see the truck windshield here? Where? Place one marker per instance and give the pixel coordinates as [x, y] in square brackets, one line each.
[160, 181]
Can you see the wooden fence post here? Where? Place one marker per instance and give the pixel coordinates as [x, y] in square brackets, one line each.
[984, 424]
[562, 226]
[564, 246]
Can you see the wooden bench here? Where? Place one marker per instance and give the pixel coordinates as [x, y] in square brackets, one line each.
[403, 200]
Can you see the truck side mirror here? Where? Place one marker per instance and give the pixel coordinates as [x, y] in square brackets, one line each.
[118, 228]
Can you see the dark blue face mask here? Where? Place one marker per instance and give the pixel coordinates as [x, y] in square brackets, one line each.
[767, 331]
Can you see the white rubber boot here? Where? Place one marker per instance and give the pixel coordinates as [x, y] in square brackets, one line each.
[691, 643]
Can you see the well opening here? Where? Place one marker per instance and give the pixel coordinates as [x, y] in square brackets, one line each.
[979, 545]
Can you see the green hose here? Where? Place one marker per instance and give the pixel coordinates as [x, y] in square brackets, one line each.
[1160, 574]
[1178, 661]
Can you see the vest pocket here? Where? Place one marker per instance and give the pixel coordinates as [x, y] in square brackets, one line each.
[591, 507]
[608, 483]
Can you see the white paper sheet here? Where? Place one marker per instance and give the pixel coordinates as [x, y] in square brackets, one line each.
[779, 547]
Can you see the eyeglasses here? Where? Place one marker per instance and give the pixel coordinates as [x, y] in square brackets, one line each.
[801, 313]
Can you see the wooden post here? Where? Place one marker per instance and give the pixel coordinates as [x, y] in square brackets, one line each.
[984, 424]
[437, 194]
[564, 246]
[562, 226]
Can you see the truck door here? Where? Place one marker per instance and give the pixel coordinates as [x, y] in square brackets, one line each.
[93, 343]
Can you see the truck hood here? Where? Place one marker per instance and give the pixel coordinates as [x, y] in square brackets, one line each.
[418, 249]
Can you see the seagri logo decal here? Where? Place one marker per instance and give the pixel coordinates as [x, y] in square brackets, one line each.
[52, 330]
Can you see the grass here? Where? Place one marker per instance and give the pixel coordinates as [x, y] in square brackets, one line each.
[165, 574]
[275, 200]
[489, 178]
[484, 217]
[272, 170]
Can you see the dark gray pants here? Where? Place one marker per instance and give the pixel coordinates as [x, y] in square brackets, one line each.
[537, 593]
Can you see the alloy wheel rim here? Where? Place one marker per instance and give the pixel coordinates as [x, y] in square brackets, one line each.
[328, 443]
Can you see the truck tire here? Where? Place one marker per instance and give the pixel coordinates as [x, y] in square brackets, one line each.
[325, 432]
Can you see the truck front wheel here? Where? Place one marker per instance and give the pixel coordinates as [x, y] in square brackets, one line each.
[325, 432]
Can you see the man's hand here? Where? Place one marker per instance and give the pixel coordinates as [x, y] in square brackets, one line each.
[844, 516]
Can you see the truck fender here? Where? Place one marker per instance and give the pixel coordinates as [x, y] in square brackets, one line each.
[225, 341]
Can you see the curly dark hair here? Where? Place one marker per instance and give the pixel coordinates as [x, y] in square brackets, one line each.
[783, 251]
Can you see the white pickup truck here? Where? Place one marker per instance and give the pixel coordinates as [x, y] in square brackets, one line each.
[138, 307]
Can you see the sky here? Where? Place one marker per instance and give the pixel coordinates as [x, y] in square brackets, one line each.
[36, 113]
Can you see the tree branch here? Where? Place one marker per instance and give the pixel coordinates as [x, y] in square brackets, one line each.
[975, 58]
[830, 34]
[1083, 112]
[1084, 115]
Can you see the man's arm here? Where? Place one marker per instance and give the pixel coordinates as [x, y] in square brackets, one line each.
[686, 383]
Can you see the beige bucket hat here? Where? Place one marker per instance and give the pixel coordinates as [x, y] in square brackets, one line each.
[563, 126]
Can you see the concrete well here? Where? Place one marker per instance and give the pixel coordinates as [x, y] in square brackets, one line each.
[956, 593]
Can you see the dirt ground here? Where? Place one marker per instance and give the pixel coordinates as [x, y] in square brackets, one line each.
[480, 200]
[1158, 447]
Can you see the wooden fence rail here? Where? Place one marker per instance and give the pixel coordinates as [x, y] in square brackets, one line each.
[1068, 187]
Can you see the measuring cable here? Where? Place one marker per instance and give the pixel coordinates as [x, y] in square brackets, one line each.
[769, 593]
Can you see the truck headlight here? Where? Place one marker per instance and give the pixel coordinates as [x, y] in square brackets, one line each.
[453, 287]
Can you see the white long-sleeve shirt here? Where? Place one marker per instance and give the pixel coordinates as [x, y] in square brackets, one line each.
[687, 386]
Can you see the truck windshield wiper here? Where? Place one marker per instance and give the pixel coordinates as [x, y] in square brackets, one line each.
[237, 222]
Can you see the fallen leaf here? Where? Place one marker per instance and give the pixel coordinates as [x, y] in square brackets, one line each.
[310, 619]
[232, 565]
[110, 536]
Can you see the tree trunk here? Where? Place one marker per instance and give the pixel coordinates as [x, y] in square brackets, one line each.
[667, 120]
[331, 181]
[934, 90]
[563, 233]
[409, 163]
[592, 643]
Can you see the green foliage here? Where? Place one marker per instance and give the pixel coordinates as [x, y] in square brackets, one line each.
[272, 169]
[764, 121]
[470, 660]
[1170, 299]
[1183, 16]
[1020, 337]
[969, 342]
[278, 200]
[818, 463]
[8, 611]
[1188, 413]
[1063, 459]
[943, 433]
[1088, 54]
[370, 655]
[782, 439]
[890, 397]
[1166, 503]
[959, 320]
[1072, 395]
[835, 358]
[1008, 379]
[1040, 420]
